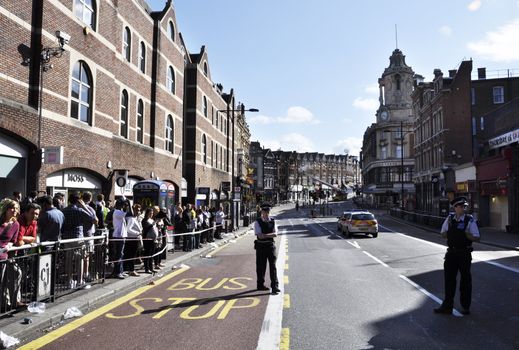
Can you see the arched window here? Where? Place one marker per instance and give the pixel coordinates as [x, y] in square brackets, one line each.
[169, 134]
[124, 114]
[204, 149]
[140, 121]
[171, 31]
[81, 93]
[205, 69]
[170, 80]
[127, 44]
[142, 57]
[85, 10]
[205, 106]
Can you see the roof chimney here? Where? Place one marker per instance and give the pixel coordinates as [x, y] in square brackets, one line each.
[482, 73]
[452, 73]
[437, 73]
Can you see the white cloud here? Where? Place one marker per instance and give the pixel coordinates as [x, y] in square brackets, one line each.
[366, 104]
[500, 45]
[474, 5]
[446, 30]
[350, 145]
[294, 115]
[372, 89]
[291, 142]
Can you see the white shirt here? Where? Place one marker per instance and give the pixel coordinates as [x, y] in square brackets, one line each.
[119, 223]
[134, 226]
[471, 228]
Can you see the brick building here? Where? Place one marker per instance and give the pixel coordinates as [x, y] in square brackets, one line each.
[113, 99]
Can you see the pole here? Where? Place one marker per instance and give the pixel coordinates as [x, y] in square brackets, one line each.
[402, 163]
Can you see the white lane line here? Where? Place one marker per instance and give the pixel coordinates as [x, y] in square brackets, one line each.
[504, 267]
[354, 243]
[430, 295]
[270, 335]
[376, 259]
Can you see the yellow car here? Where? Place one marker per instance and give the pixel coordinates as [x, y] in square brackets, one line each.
[363, 222]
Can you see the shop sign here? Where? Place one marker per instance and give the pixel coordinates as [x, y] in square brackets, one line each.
[462, 187]
[79, 179]
[44, 275]
[53, 155]
[505, 139]
[127, 190]
[183, 188]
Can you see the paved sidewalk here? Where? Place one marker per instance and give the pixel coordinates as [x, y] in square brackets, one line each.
[89, 299]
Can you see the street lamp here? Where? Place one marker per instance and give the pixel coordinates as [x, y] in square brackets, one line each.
[402, 135]
[47, 53]
[228, 111]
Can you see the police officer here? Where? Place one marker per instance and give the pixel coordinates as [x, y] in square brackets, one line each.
[460, 230]
[266, 230]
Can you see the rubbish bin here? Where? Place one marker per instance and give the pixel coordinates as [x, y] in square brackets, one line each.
[245, 220]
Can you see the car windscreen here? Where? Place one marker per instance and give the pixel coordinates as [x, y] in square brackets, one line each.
[363, 217]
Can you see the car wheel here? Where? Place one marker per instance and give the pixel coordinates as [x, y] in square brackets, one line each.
[375, 235]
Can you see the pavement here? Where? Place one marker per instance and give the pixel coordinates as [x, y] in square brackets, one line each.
[89, 299]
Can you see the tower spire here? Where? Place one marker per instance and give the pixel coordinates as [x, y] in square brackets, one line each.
[396, 36]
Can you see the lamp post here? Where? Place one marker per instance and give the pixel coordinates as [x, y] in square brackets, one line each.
[47, 53]
[402, 135]
[229, 111]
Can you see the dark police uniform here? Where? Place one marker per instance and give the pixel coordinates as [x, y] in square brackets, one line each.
[458, 258]
[266, 250]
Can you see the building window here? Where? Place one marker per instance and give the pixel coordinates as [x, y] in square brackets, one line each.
[205, 69]
[171, 31]
[383, 153]
[170, 80]
[142, 57]
[204, 149]
[140, 121]
[482, 123]
[169, 134]
[398, 151]
[212, 153]
[205, 106]
[124, 114]
[212, 115]
[127, 44]
[474, 126]
[217, 117]
[499, 94]
[473, 96]
[216, 156]
[85, 10]
[81, 93]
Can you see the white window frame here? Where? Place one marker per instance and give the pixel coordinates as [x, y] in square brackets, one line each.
[124, 112]
[169, 136]
[171, 80]
[204, 149]
[80, 5]
[127, 44]
[498, 98]
[171, 31]
[142, 57]
[137, 126]
[83, 69]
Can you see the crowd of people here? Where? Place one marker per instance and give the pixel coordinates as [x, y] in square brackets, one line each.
[137, 236]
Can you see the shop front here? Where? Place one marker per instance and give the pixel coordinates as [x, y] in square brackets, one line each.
[13, 166]
[68, 181]
[126, 191]
[202, 196]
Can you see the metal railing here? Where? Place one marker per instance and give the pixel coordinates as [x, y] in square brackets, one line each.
[418, 218]
[48, 270]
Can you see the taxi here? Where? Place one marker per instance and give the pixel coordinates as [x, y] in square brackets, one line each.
[361, 222]
[343, 220]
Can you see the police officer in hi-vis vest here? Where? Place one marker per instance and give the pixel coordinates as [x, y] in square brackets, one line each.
[460, 230]
[266, 230]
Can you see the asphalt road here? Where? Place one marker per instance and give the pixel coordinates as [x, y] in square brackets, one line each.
[338, 293]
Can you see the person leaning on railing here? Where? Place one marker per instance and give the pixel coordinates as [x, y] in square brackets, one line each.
[10, 273]
[50, 221]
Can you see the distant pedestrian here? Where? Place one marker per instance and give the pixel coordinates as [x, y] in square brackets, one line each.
[119, 237]
[50, 221]
[17, 196]
[265, 229]
[134, 228]
[219, 220]
[460, 230]
[149, 234]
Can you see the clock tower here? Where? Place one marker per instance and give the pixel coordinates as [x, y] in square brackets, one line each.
[396, 87]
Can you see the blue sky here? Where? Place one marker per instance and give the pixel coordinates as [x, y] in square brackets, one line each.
[312, 66]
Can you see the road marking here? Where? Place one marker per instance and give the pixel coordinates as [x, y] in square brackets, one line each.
[270, 336]
[285, 339]
[376, 259]
[286, 301]
[430, 295]
[286, 266]
[508, 268]
[52, 336]
[354, 243]
[285, 279]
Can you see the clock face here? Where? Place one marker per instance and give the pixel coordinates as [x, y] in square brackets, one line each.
[383, 115]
